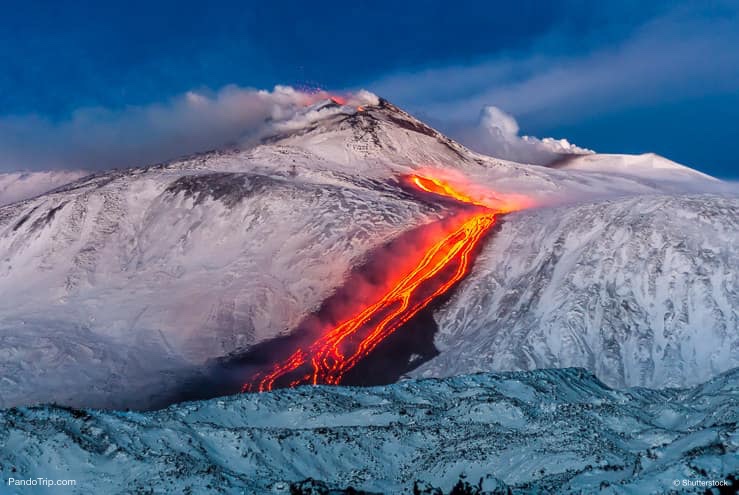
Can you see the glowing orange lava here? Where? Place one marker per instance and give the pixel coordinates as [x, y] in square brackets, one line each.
[440, 266]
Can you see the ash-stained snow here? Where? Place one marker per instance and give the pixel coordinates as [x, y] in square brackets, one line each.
[118, 285]
[544, 431]
[642, 291]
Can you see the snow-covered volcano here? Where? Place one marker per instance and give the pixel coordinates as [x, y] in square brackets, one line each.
[118, 286]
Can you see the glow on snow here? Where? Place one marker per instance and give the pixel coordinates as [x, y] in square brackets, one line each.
[438, 268]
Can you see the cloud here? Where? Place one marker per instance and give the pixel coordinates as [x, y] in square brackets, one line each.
[681, 54]
[99, 138]
[497, 134]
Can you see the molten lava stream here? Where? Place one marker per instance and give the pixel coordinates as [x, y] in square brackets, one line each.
[444, 263]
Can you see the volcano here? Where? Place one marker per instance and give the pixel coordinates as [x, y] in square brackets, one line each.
[120, 288]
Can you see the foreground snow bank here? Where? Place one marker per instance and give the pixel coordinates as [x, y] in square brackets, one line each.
[548, 431]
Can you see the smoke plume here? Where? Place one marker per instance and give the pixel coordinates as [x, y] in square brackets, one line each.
[99, 138]
[497, 134]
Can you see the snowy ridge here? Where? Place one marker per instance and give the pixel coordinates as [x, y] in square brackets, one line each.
[546, 431]
[647, 165]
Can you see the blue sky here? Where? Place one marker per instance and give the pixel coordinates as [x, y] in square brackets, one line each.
[610, 76]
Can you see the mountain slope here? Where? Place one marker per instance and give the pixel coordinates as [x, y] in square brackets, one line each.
[185, 265]
[643, 291]
[546, 431]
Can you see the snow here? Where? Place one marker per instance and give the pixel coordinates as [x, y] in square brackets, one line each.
[640, 290]
[562, 432]
[647, 165]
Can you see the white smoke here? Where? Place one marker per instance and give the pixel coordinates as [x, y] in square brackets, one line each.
[99, 138]
[497, 134]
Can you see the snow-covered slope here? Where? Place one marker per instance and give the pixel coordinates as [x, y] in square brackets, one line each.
[547, 431]
[17, 186]
[120, 284]
[642, 290]
[647, 166]
[143, 272]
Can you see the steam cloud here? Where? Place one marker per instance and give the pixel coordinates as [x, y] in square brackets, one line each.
[98, 138]
[497, 134]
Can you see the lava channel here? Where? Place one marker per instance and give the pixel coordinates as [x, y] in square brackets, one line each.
[433, 273]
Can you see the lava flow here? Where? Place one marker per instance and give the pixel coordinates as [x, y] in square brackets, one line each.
[438, 268]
